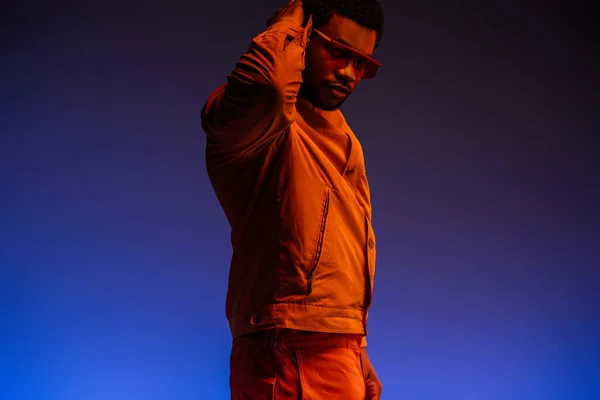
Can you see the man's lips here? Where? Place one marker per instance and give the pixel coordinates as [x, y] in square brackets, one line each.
[339, 88]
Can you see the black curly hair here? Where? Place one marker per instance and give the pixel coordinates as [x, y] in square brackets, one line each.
[367, 13]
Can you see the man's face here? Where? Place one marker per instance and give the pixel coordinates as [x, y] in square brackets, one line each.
[323, 70]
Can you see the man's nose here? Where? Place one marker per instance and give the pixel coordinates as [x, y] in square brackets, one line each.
[348, 72]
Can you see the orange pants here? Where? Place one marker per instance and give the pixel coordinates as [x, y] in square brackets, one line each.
[294, 365]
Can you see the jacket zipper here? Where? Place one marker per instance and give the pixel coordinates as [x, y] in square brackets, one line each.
[321, 238]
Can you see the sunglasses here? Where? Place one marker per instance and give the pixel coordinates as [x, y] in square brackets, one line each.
[365, 65]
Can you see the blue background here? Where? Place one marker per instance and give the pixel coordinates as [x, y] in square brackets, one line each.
[479, 136]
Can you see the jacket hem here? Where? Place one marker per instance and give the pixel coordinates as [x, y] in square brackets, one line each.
[306, 317]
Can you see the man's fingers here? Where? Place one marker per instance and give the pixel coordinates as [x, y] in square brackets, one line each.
[293, 4]
[293, 11]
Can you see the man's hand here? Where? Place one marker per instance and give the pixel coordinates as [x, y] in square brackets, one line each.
[371, 380]
[293, 12]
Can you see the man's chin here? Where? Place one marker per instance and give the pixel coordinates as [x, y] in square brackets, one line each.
[321, 100]
[327, 107]
[329, 104]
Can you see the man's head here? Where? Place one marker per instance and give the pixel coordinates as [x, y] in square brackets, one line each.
[357, 24]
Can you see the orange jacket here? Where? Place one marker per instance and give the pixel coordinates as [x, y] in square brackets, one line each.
[291, 180]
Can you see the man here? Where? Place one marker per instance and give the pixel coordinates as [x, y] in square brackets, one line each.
[289, 174]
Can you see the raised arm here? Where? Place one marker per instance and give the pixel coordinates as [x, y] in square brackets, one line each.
[258, 101]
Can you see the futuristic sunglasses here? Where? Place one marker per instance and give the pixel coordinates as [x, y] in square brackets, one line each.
[365, 65]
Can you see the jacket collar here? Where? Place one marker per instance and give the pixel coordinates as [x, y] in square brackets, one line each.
[329, 121]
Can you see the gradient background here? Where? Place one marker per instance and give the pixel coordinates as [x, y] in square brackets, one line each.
[479, 142]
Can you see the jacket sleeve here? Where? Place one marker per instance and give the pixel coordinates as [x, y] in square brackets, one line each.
[258, 102]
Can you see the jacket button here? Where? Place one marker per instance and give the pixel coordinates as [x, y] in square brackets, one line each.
[371, 242]
[350, 171]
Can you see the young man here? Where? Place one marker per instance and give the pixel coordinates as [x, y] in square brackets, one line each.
[289, 174]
